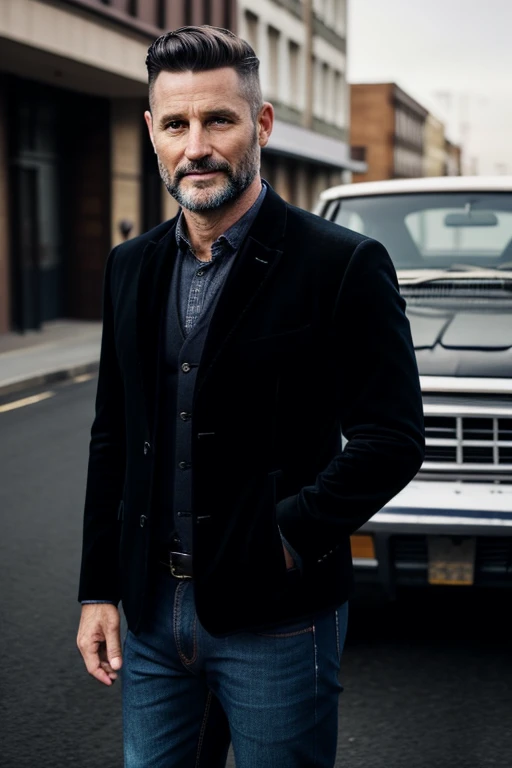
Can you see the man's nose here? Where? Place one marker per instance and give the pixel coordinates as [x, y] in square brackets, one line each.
[198, 143]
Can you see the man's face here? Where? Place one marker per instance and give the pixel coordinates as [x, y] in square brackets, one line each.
[207, 143]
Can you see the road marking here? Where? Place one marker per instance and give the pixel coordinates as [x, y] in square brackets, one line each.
[83, 377]
[26, 401]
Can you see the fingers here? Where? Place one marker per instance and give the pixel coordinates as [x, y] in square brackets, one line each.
[99, 641]
[113, 641]
[96, 667]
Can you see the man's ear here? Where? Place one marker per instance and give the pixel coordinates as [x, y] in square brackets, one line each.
[265, 123]
[149, 122]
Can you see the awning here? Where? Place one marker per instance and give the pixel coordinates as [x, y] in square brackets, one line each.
[295, 141]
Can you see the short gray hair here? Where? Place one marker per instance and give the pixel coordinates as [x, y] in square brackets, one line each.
[198, 49]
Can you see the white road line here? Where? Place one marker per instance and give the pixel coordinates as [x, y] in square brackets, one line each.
[26, 401]
[83, 377]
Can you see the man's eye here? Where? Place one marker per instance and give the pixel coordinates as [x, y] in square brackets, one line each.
[175, 125]
[219, 120]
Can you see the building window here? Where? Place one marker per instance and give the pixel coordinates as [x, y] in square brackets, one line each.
[161, 14]
[294, 61]
[339, 100]
[316, 67]
[251, 30]
[340, 17]
[318, 8]
[326, 95]
[273, 61]
[330, 13]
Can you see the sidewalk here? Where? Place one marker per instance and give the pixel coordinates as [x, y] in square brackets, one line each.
[61, 350]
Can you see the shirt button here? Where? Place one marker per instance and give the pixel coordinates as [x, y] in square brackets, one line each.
[200, 273]
[185, 416]
[185, 367]
[184, 465]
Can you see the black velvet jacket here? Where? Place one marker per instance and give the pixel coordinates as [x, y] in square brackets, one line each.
[309, 336]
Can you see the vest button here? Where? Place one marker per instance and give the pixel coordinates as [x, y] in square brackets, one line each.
[147, 448]
[185, 367]
[184, 465]
[185, 416]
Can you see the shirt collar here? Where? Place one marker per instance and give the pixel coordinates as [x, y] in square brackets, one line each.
[232, 238]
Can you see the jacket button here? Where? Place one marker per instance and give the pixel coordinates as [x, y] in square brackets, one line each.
[142, 520]
[147, 448]
[185, 367]
[184, 465]
[185, 416]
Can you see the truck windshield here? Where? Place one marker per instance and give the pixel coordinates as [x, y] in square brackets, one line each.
[434, 231]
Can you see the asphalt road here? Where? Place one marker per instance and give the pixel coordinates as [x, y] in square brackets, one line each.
[428, 680]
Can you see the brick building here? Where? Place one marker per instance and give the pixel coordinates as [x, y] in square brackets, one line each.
[387, 130]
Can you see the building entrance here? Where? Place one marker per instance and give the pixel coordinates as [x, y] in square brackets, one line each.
[37, 254]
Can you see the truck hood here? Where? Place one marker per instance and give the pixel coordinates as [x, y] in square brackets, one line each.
[466, 342]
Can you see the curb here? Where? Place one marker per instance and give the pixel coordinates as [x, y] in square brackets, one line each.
[47, 377]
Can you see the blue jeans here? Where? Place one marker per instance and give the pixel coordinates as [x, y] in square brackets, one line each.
[187, 694]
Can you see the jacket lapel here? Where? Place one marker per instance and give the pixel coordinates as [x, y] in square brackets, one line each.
[253, 266]
[153, 288]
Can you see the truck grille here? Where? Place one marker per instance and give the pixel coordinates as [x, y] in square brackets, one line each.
[493, 561]
[471, 440]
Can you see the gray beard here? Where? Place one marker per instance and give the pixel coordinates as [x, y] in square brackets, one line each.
[236, 182]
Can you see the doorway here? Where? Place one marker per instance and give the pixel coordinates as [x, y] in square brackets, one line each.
[36, 257]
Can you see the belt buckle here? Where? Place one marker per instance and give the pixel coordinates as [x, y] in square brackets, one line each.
[172, 568]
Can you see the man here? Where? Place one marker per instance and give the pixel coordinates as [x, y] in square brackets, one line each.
[238, 340]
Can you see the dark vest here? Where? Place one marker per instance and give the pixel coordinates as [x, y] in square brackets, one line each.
[179, 362]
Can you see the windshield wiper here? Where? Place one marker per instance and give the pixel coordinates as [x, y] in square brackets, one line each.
[476, 268]
[455, 272]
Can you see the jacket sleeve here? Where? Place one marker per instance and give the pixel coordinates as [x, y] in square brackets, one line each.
[379, 406]
[99, 577]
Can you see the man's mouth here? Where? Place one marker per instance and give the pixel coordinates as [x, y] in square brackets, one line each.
[201, 174]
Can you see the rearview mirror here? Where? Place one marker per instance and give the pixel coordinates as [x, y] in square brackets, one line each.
[471, 219]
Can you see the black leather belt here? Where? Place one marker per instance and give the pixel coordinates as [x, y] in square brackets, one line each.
[178, 564]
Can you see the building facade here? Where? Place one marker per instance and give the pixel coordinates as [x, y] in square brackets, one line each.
[77, 171]
[302, 47]
[453, 159]
[388, 131]
[435, 156]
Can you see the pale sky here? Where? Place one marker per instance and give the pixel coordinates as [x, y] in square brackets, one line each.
[457, 47]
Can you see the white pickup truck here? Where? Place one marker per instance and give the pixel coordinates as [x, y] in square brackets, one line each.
[450, 239]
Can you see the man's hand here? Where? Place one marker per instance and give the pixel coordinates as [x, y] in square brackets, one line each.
[290, 562]
[99, 641]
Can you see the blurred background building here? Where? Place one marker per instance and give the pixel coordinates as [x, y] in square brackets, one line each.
[77, 171]
[397, 136]
[435, 157]
[389, 126]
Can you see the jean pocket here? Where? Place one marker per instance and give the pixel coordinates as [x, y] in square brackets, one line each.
[288, 629]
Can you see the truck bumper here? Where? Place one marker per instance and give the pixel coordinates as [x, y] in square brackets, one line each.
[430, 516]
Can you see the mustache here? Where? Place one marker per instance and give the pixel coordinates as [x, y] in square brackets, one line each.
[202, 166]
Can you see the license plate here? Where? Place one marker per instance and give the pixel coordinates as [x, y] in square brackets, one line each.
[451, 561]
